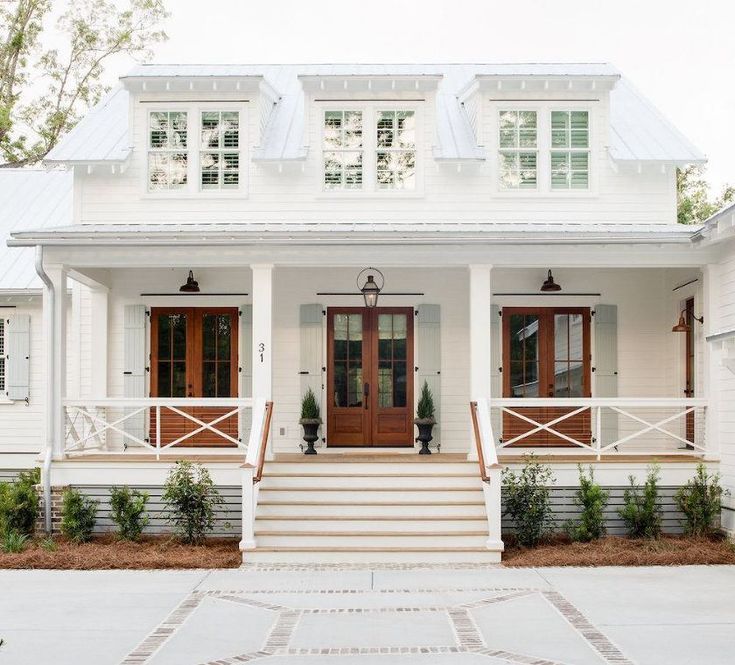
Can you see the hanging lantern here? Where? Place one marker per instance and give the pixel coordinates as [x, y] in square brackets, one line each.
[370, 289]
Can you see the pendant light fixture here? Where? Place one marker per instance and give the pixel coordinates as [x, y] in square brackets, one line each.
[550, 285]
[370, 289]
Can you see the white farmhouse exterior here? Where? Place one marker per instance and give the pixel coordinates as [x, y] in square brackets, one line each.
[461, 189]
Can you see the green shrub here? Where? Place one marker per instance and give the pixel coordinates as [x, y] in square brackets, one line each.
[19, 504]
[309, 406]
[592, 499]
[14, 542]
[425, 408]
[48, 545]
[641, 511]
[191, 498]
[701, 502]
[527, 501]
[78, 515]
[127, 510]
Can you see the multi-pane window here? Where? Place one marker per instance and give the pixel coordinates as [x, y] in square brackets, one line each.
[396, 149]
[167, 150]
[343, 150]
[570, 155]
[2, 355]
[517, 142]
[219, 157]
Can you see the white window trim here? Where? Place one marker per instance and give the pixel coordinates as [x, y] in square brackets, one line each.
[543, 163]
[194, 129]
[369, 147]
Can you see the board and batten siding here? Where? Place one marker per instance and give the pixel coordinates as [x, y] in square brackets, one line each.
[622, 196]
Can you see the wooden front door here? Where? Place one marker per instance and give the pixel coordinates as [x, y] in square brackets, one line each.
[546, 353]
[194, 354]
[370, 376]
[689, 365]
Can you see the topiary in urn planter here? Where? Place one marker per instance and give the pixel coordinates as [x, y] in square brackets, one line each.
[310, 420]
[425, 420]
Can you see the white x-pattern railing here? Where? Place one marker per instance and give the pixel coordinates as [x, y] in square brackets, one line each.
[632, 419]
[92, 423]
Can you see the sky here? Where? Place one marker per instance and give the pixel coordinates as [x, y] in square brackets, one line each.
[680, 54]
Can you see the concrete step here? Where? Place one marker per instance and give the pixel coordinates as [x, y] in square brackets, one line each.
[415, 556]
[384, 481]
[412, 466]
[437, 510]
[371, 525]
[368, 495]
[396, 540]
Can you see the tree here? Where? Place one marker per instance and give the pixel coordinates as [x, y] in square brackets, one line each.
[694, 204]
[44, 91]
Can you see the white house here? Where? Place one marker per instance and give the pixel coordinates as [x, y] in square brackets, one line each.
[272, 195]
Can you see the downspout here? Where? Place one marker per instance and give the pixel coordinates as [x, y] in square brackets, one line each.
[50, 406]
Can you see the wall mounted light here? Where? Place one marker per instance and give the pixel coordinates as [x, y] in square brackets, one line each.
[370, 289]
[191, 286]
[683, 326]
[550, 285]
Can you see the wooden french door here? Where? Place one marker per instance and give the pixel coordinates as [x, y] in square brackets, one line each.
[689, 365]
[370, 376]
[546, 353]
[194, 354]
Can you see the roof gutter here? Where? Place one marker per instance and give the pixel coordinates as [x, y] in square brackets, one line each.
[50, 406]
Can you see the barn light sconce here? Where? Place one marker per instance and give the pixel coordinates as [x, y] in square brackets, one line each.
[550, 285]
[370, 289]
[191, 286]
[683, 326]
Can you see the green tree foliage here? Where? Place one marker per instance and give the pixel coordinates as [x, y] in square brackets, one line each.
[701, 502]
[694, 202]
[78, 515]
[191, 498]
[592, 499]
[44, 91]
[425, 408]
[528, 502]
[641, 511]
[19, 504]
[128, 511]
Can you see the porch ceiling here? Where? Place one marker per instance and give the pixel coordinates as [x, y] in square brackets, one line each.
[341, 233]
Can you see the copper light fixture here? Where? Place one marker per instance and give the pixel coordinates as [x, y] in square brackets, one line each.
[683, 326]
[191, 286]
[370, 289]
[550, 285]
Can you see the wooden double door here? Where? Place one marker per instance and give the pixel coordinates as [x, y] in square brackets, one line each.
[194, 354]
[370, 376]
[546, 353]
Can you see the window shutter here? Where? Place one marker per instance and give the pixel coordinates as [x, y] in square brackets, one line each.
[311, 349]
[18, 355]
[134, 364]
[246, 367]
[496, 361]
[606, 365]
[429, 349]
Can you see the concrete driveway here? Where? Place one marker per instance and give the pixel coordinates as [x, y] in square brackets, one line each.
[370, 616]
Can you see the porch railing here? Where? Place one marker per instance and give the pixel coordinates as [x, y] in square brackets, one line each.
[601, 427]
[104, 425]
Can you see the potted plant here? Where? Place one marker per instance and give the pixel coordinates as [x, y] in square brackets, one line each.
[425, 420]
[310, 420]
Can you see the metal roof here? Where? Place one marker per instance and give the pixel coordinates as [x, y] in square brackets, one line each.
[29, 199]
[345, 233]
[639, 132]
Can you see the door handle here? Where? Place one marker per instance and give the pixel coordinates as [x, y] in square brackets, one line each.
[366, 393]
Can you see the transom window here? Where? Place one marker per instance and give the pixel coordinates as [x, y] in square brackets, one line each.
[343, 150]
[517, 140]
[570, 155]
[167, 150]
[219, 157]
[396, 149]
[2, 355]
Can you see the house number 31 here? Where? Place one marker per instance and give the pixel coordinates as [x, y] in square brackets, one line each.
[261, 350]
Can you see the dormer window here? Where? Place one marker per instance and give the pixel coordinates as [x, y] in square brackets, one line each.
[343, 150]
[219, 156]
[396, 150]
[167, 150]
[570, 154]
[518, 140]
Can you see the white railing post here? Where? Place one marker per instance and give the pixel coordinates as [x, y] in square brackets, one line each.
[491, 491]
[158, 432]
[249, 490]
[480, 293]
[598, 432]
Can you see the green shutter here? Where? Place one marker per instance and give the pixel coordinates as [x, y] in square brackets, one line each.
[428, 361]
[311, 350]
[18, 357]
[605, 363]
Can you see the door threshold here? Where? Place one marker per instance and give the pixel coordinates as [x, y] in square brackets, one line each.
[370, 450]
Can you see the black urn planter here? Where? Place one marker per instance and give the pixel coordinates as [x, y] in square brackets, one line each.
[425, 425]
[311, 433]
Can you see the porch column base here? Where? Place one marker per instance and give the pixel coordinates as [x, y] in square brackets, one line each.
[495, 545]
[247, 545]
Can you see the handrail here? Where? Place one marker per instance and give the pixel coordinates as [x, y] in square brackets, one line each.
[598, 401]
[478, 442]
[263, 442]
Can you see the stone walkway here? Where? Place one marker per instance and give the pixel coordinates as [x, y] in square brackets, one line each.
[345, 615]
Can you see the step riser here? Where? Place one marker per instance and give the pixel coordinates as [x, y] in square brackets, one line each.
[369, 526]
[385, 482]
[371, 468]
[416, 558]
[384, 511]
[432, 542]
[366, 495]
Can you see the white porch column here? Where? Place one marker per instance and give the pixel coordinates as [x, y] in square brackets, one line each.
[711, 274]
[56, 349]
[480, 337]
[263, 336]
[98, 342]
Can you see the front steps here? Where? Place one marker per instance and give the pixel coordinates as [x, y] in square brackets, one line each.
[391, 509]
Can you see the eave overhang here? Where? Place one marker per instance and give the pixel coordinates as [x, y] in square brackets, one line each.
[367, 83]
[188, 83]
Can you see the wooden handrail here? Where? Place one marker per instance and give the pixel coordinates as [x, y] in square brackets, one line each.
[263, 441]
[478, 442]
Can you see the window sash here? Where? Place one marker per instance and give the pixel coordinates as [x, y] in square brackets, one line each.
[569, 154]
[343, 150]
[168, 150]
[517, 149]
[219, 150]
[395, 149]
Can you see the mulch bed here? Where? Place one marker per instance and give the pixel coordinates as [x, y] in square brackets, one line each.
[108, 553]
[618, 551]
